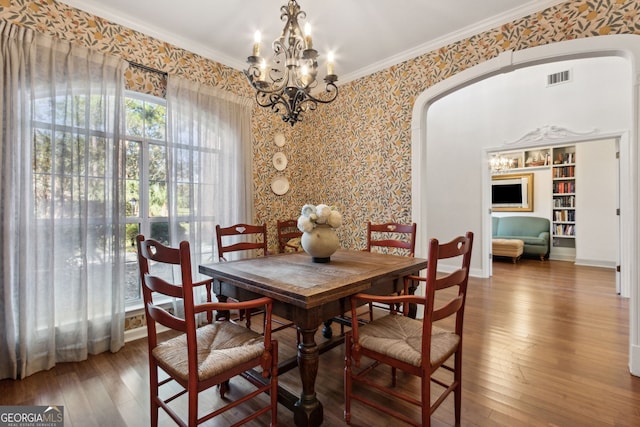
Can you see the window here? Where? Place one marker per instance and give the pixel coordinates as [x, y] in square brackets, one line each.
[70, 162]
[146, 200]
[148, 193]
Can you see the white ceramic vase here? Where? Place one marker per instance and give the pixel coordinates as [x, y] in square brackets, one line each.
[320, 243]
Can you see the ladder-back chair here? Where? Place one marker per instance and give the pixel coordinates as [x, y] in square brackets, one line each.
[417, 347]
[195, 356]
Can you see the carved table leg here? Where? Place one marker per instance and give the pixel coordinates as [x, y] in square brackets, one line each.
[327, 332]
[308, 410]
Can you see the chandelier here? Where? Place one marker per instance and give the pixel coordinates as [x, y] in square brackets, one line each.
[285, 83]
[499, 163]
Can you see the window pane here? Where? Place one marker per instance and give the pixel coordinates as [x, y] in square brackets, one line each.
[134, 110]
[72, 113]
[66, 153]
[67, 193]
[132, 286]
[160, 232]
[183, 199]
[96, 196]
[42, 194]
[43, 110]
[183, 165]
[157, 163]
[97, 152]
[42, 151]
[98, 119]
[158, 199]
[184, 232]
[207, 228]
[132, 181]
[157, 181]
[155, 121]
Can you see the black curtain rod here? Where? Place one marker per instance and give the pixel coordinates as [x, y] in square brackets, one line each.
[144, 67]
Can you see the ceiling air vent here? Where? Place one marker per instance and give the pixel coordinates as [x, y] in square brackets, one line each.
[558, 78]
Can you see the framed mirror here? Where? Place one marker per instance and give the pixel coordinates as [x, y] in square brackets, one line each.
[512, 193]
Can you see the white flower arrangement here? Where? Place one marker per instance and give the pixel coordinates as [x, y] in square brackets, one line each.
[321, 214]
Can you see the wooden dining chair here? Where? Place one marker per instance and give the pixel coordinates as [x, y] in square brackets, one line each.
[288, 236]
[204, 353]
[391, 238]
[246, 240]
[417, 347]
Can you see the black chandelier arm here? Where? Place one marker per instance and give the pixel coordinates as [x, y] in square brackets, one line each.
[294, 101]
[331, 89]
[275, 101]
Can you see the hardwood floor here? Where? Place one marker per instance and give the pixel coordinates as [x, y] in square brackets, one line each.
[545, 344]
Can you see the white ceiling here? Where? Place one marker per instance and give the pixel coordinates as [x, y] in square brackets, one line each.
[365, 35]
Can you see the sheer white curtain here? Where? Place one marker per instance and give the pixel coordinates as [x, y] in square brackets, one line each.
[62, 252]
[209, 163]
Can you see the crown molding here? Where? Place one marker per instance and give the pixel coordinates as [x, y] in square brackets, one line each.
[239, 64]
[464, 33]
[158, 33]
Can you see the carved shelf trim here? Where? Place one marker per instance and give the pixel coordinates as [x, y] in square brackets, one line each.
[549, 133]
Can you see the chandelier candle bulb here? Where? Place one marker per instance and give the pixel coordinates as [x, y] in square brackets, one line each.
[304, 75]
[307, 35]
[330, 63]
[263, 71]
[256, 43]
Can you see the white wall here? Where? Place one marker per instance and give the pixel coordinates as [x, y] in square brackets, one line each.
[596, 203]
[496, 111]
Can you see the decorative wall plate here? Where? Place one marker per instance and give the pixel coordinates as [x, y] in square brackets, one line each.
[279, 140]
[279, 161]
[280, 185]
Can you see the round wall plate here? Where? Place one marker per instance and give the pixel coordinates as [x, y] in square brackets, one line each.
[279, 161]
[280, 185]
[279, 140]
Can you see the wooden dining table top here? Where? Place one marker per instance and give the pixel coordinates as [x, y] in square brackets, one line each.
[294, 279]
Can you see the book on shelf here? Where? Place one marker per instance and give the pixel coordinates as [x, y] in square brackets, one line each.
[564, 172]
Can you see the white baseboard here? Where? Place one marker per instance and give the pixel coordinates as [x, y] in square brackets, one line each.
[634, 360]
[135, 334]
[558, 257]
[141, 332]
[595, 263]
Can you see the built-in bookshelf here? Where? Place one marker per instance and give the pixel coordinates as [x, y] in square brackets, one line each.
[563, 217]
[512, 161]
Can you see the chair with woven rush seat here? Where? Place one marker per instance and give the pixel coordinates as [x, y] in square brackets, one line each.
[391, 237]
[200, 357]
[288, 236]
[418, 347]
[247, 240]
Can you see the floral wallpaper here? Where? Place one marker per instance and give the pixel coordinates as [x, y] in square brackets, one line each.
[65, 22]
[356, 152]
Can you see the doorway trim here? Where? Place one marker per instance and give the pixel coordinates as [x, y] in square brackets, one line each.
[626, 46]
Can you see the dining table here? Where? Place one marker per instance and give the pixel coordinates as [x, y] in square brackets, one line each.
[310, 294]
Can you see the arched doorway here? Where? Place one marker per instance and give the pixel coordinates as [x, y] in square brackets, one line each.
[626, 46]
